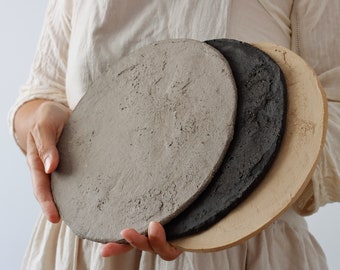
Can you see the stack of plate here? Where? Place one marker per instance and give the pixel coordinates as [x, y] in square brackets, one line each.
[213, 139]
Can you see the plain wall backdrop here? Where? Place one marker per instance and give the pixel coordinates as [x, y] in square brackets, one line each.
[20, 24]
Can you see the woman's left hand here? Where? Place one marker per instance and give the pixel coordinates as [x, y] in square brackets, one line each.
[155, 242]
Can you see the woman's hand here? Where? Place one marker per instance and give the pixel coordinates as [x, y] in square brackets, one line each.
[38, 125]
[155, 242]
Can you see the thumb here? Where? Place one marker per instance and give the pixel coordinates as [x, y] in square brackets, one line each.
[51, 160]
[45, 141]
[41, 182]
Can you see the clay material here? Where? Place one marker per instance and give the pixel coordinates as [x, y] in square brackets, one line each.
[259, 129]
[145, 139]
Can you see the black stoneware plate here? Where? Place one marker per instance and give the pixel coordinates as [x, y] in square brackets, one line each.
[259, 127]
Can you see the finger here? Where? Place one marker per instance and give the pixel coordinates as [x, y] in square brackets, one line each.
[112, 249]
[45, 140]
[157, 240]
[136, 240]
[41, 182]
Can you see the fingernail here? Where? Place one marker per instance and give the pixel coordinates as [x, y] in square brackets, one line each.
[122, 233]
[47, 164]
[152, 228]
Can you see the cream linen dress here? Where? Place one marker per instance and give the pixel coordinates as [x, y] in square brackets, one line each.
[81, 37]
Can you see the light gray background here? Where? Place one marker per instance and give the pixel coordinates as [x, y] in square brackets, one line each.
[20, 24]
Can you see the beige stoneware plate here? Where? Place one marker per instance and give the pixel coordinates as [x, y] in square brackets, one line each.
[292, 168]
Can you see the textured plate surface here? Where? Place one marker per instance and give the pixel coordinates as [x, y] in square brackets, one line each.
[292, 168]
[259, 128]
[145, 139]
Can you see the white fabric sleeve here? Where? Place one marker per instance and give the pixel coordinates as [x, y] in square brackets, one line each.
[47, 75]
[316, 37]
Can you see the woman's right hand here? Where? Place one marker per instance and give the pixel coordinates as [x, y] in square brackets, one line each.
[38, 126]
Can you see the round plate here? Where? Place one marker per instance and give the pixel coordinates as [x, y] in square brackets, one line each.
[259, 126]
[145, 140]
[292, 168]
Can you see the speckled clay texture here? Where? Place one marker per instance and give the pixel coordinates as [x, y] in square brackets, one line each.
[145, 140]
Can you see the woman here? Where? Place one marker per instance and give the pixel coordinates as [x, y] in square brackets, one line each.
[80, 38]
